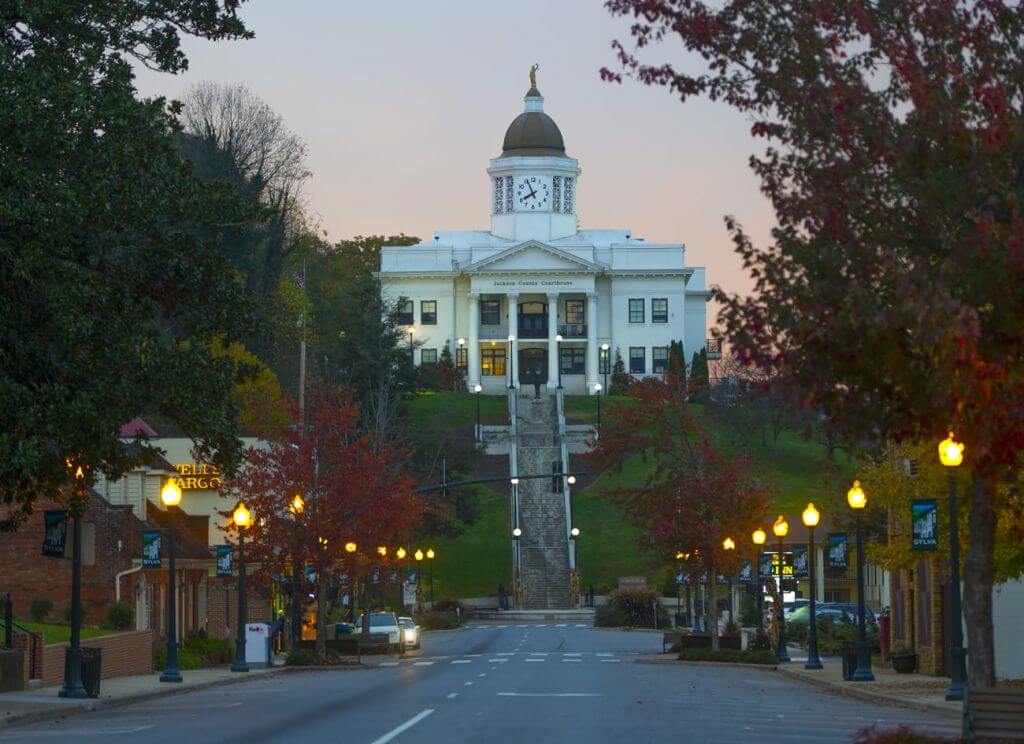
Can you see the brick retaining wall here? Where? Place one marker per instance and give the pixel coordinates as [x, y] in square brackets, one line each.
[123, 654]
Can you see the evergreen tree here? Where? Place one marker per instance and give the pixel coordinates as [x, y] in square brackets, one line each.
[677, 359]
[699, 368]
[620, 380]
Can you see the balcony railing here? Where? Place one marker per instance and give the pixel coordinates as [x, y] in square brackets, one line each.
[573, 330]
[713, 346]
[492, 332]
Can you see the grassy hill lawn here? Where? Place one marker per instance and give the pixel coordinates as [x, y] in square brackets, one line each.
[60, 633]
[478, 560]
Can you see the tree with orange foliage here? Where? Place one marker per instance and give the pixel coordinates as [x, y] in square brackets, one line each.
[324, 485]
[695, 495]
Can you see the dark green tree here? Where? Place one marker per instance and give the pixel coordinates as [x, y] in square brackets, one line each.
[620, 380]
[677, 359]
[699, 368]
[113, 287]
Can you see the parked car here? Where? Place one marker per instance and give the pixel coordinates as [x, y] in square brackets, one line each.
[410, 632]
[835, 610]
[344, 628]
[385, 622]
[789, 607]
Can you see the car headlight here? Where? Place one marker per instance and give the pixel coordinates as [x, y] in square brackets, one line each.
[410, 634]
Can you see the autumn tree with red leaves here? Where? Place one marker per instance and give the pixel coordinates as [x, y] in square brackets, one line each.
[891, 292]
[352, 488]
[695, 494]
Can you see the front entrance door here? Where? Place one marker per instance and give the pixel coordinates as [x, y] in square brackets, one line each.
[533, 366]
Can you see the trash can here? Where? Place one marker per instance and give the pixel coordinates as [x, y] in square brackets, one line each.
[849, 656]
[92, 668]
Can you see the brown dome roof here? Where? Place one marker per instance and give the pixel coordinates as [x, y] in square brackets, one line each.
[533, 133]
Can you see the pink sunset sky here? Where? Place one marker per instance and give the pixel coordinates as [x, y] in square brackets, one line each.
[402, 104]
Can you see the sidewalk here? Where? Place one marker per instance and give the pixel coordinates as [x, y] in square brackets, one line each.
[918, 691]
[44, 704]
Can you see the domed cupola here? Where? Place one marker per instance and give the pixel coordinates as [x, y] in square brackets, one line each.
[533, 181]
[533, 133]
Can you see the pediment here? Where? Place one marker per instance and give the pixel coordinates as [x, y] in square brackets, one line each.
[532, 256]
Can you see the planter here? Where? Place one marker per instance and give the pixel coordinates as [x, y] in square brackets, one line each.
[703, 640]
[904, 663]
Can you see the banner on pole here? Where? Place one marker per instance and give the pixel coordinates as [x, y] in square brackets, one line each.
[151, 548]
[375, 576]
[224, 557]
[924, 516]
[765, 565]
[413, 577]
[837, 547]
[746, 571]
[800, 562]
[56, 535]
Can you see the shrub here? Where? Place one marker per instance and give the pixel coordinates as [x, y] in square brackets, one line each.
[300, 657]
[639, 608]
[186, 659]
[728, 655]
[437, 620]
[121, 615]
[211, 651]
[607, 616]
[796, 631]
[748, 611]
[67, 611]
[40, 608]
[731, 629]
[902, 735]
[760, 642]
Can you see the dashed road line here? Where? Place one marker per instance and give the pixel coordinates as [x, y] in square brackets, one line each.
[452, 695]
[461, 661]
[423, 663]
[541, 660]
[404, 727]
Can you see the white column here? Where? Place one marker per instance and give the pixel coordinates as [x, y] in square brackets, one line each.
[592, 378]
[553, 360]
[474, 341]
[513, 330]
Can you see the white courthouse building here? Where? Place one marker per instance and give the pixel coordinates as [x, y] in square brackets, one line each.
[536, 298]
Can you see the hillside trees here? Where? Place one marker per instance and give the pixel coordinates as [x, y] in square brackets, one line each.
[890, 293]
[695, 495]
[113, 287]
[354, 487]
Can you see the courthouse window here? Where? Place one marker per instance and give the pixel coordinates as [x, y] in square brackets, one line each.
[659, 359]
[461, 358]
[405, 312]
[636, 360]
[490, 312]
[604, 361]
[659, 310]
[428, 356]
[574, 313]
[428, 312]
[636, 311]
[573, 360]
[492, 362]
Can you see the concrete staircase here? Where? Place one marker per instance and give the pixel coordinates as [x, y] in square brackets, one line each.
[544, 544]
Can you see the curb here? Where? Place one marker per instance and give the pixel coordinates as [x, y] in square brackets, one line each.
[93, 704]
[717, 664]
[869, 696]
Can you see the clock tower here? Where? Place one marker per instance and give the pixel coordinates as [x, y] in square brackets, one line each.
[533, 181]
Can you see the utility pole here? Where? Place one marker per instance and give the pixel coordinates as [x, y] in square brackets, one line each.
[302, 347]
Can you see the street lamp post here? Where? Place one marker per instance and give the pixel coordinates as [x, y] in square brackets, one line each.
[574, 535]
[781, 529]
[558, 342]
[171, 496]
[72, 686]
[857, 500]
[951, 454]
[598, 388]
[810, 518]
[478, 388]
[607, 362]
[758, 537]
[729, 544]
[430, 557]
[297, 506]
[242, 517]
[511, 362]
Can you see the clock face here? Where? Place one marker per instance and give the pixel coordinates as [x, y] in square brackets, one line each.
[533, 193]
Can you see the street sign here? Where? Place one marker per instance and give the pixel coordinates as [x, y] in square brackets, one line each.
[924, 519]
[786, 560]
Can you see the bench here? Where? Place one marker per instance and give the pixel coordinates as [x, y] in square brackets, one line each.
[994, 714]
[670, 639]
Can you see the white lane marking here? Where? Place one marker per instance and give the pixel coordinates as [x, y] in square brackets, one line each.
[567, 660]
[562, 625]
[522, 626]
[611, 661]
[572, 653]
[549, 694]
[472, 656]
[537, 660]
[604, 654]
[506, 653]
[404, 727]
[542, 625]
[469, 684]
[482, 674]
[423, 663]
[462, 661]
[538, 653]
[494, 661]
[389, 663]
[580, 625]
[452, 695]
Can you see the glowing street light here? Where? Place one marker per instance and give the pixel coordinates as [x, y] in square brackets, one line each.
[170, 495]
[857, 500]
[351, 547]
[758, 537]
[242, 518]
[810, 518]
[298, 505]
[781, 529]
[951, 455]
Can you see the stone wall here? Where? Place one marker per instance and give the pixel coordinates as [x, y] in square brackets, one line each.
[123, 654]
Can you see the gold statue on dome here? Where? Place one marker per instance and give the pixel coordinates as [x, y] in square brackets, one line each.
[533, 75]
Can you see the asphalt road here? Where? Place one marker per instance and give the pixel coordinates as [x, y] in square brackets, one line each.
[498, 683]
